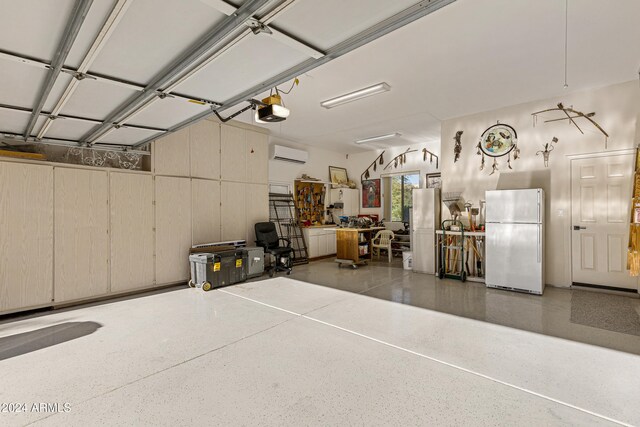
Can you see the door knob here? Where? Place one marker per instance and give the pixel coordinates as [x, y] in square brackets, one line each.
[577, 228]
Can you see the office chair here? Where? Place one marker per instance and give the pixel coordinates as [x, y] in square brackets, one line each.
[267, 237]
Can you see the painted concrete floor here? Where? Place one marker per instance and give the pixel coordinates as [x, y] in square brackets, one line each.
[287, 352]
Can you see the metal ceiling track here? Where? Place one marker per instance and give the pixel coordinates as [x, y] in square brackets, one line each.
[51, 117]
[103, 35]
[188, 59]
[78, 15]
[98, 77]
[398, 20]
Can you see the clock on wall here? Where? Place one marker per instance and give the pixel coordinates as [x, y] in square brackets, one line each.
[497, 141]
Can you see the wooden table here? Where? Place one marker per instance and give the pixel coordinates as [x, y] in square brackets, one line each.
[353, 245]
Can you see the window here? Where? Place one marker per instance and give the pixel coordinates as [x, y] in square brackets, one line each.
[402, 195]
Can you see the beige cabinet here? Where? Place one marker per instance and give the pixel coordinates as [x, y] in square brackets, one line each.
[257, 152]
[257, 208]
[171, 154]
[173, 228]
[81, 227]
[233, 153]
[204, 143]
[234, 214]
[26, 235]
[205, 203]
[131, 231]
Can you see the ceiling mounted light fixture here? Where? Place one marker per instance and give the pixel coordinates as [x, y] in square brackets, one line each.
[378, 138]
[354, 96]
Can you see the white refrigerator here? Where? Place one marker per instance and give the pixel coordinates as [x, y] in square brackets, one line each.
[515, 240]
[425, 220]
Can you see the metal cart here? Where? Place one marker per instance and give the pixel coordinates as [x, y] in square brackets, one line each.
[452, 252]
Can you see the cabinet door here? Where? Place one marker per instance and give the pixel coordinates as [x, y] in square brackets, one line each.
[171, 154]
[234, 222]
[205, 149]
[205, 202]
[81, 234]
[314, 246]
[173, 229]
[233, 151]
[257, 157]
[331, 243]
[257, 208]
[323, 248]
[131, 219]
[26, 235]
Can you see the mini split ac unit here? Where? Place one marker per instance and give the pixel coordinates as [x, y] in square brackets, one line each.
[286, 154]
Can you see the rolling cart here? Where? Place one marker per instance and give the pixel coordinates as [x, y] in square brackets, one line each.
[452, 252]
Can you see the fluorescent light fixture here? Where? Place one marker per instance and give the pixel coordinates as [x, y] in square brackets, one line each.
[378, 138]
[354, 96]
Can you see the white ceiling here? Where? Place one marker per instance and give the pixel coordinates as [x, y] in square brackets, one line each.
[470, 56]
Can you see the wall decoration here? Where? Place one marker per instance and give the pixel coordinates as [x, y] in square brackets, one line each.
[371, 193]
[571, 116]
[365, 175]
[497, 141]
[401, 158]
[548, 148]
[434, 180]
[338, 177]
[457, 148]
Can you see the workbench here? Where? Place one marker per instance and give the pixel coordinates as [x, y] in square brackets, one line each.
[353, 245]
[474, 246]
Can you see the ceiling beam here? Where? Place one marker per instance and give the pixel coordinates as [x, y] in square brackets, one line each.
[9, 56]
[79, 13]
[101, 39]
[178, 67]
[388, 25]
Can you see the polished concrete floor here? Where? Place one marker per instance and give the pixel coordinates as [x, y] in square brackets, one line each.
[606, 320]
[373, 346]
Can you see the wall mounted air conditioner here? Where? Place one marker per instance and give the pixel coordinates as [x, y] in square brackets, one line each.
[287, 154]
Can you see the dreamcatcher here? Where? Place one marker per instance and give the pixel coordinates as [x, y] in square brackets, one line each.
[498, 141]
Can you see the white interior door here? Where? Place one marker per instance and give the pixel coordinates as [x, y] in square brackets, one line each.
[601, 190]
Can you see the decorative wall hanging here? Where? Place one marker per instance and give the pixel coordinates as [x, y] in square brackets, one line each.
[497, 141]
[572, 115]
[431, 156]
[434, 180]
[338, 177]
[401, 158]
[371, 193]
[112, 159]
[379, 160]
[457, 148]
[548, 148]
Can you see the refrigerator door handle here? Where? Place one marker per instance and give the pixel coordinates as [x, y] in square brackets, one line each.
[539, 250]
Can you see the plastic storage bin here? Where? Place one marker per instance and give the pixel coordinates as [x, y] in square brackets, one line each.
[407, 260]
[210, 271]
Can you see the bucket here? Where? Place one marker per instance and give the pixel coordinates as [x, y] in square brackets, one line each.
[407, 260]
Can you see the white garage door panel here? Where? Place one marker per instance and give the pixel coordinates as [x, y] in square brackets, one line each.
[248, 63]
[127, 136]
[67, 129]
[13, 121]
[154, 33]
[96, 100]
[167, 112]
[19, 83]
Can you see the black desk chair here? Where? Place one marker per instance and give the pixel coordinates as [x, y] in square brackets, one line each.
[267, 237]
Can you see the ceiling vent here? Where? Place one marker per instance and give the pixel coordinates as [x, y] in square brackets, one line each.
[286, 154]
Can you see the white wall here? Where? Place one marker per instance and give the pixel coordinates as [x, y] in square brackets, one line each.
[359, 162]
[317, 166]
[617, 110]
